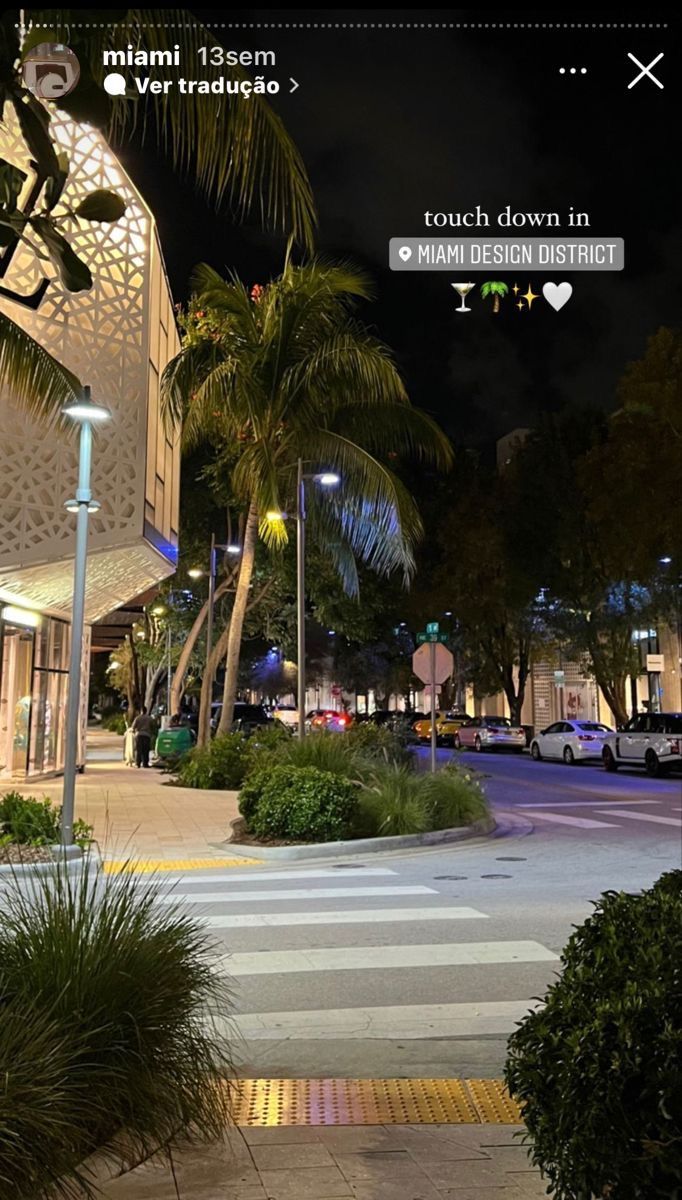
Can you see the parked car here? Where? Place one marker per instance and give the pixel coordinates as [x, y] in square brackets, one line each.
[247, 717]
[286, 714]
[491, 733]
[649, 740]
[328, 718]
[573, 741]
[447, 725]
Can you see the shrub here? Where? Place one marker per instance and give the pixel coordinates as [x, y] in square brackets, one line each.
[454, 797]
[325, 751]
[223, 763]
[392, 803]
[301, 803]
[377, 742]
[30, 822]
[115, 722]
[599, 1068]
[106, 1005]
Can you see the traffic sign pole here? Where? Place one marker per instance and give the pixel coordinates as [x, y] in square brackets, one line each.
[432, 649]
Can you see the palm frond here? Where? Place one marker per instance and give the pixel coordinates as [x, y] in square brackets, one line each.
[35, 379]
[236, 148]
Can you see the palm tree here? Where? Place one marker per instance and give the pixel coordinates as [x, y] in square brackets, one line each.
[494, 287]
[286, 372]
[236, 149]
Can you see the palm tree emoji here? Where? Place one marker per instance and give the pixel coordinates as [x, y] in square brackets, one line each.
[495, 288]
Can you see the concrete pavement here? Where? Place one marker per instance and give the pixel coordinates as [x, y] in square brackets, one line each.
[137, 814]
[381, 1162]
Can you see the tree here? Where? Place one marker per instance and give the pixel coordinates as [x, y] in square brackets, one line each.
[495, 288]
[639, 459]
[236, 149]
[286, 372]
[598, 575]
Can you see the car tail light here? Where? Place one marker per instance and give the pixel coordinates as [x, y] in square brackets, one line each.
[586, 737]
[343, 720]
[674, 746]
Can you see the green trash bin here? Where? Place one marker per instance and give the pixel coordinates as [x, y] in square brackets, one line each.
[173, 743]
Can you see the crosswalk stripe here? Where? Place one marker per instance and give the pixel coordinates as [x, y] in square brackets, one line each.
[580, 803]
[362, 958]
[577, 822]
[635, 816]
[227, 897]
[408, 1022]
[359, 916]
[252, 876]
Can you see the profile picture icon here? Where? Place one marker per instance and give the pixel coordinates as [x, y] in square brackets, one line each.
[50, 71]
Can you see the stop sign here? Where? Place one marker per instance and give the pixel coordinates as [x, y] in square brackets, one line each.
[443, 663]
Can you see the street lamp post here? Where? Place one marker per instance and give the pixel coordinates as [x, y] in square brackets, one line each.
[300, 596]
[86, 412]
[327, 479]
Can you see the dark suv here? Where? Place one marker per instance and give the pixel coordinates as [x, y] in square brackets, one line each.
[247, 717]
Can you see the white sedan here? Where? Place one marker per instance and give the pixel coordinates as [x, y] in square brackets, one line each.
[572, 741]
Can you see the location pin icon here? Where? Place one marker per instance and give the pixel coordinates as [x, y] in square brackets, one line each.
[405, 253]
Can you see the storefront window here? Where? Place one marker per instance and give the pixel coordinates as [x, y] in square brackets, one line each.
[15, 698]
[48, 710]
[33, 691]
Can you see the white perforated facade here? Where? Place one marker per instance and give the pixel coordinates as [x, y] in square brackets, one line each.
[117, 337]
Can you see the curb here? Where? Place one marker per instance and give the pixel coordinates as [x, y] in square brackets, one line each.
[512, 824]
[410, 841]
[72, 857]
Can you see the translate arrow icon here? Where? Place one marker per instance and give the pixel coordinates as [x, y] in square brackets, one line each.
[296, 85]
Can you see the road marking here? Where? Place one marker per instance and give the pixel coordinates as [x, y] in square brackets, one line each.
[373, 958]
[577, 822]
[634, 816]
[407, 1022]
[577, 804]
[360, 916]
[260, 876]
[294, 894]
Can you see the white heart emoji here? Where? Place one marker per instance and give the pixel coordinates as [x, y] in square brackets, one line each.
[557, 294]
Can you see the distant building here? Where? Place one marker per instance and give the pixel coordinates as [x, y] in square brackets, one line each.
[117, 338]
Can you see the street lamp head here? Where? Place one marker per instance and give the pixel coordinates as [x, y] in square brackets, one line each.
[233, 548]
[159, 610]
[328, 478]
[273, 515]
[666, 560]
[85, 409]
[73, 505]
[195, 572]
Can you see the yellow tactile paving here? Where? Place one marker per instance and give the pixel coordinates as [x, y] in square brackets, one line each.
[117, 867]
[270, 1102]
[493, 1103]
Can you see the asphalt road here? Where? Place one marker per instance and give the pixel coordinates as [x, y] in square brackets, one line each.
[420, 964]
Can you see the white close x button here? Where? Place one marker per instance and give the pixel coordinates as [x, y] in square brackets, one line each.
[645, 71]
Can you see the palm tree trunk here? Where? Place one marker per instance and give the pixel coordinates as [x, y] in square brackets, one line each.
[496, 304]
[241, 600]
[177, 687]
[218, 651]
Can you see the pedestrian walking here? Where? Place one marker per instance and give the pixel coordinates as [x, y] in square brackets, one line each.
[143, 728]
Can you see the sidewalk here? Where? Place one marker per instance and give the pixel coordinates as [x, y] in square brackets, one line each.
[380, 1162]
[136, 814]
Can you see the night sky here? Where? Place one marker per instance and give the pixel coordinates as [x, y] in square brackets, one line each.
[393, 122]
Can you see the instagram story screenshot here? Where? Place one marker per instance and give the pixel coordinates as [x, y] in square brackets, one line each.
[340, 604]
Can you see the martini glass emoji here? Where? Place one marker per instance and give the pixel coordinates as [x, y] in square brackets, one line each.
[463, 289]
